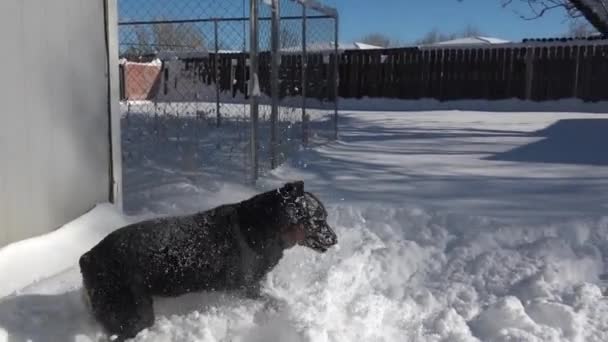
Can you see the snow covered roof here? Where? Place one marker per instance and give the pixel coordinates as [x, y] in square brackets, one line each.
[474, 40]
[168, 55]
[329, 46]
[363, 46]
[155, 62]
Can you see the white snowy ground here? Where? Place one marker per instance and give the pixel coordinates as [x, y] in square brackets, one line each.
[453, 226]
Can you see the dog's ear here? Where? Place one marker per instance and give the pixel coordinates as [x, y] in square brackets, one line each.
[293, 189]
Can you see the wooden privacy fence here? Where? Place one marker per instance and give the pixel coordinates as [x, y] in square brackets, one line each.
[536, 72]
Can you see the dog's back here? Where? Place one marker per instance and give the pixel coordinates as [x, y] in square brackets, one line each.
[170, 256]
[176, 255]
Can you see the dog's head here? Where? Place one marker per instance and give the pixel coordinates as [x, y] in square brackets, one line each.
[307, 219]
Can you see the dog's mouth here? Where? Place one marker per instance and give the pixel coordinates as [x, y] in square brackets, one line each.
[315, 246]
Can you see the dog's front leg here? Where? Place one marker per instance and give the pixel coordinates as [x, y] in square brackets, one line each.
[271, 304]
[253, 291]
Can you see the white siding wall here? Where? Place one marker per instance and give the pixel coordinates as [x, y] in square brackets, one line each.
[54, 122]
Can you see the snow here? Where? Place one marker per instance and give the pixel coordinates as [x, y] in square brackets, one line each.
[175, 55]
[474, 40]
[454, 225]
[157, 62]
[72, 240]
[364, 46]
[329, 47]
[501, 106]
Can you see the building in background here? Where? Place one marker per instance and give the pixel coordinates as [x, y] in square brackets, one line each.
[473, 40]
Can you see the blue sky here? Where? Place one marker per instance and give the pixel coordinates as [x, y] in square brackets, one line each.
[408, 20]
[402, 20]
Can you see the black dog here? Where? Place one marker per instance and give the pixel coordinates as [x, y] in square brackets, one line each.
[231, 247]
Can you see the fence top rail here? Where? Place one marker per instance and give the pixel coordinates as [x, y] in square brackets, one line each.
[319, 7]
[210, 20]
[530, 44]
[513, 46]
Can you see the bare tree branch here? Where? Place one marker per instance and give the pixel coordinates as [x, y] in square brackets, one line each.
[538, 14]
[594, 11]
[435, 36]
[579, 28]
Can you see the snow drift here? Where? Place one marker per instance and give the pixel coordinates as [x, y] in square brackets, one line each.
[398, 274]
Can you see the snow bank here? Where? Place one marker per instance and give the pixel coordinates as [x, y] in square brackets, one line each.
[408, 274]
[508, 105]
[397, 274]
[28, 261]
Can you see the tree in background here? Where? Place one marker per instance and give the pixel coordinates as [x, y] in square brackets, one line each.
[435, 36]
[141, 44]
[580, 28]
[178, 37]
[377, 39]
[594, 11]
[165, 37]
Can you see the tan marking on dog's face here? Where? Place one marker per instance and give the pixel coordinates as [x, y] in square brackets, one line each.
[294, 235]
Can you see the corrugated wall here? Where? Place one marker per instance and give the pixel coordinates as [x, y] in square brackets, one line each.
[54, 122]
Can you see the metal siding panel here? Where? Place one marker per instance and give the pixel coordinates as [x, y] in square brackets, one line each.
[16, 185]
[63, 167]
[114, 74]
[11, 87]
[54, 137]
[36, 106]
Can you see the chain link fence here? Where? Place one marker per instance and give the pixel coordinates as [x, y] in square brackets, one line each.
[226, 89]
[303, 86]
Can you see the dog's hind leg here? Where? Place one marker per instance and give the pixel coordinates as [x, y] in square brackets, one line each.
[134, 313]
[143, 308]
[123, 307]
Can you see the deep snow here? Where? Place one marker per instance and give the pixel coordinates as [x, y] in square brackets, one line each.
[453, 226]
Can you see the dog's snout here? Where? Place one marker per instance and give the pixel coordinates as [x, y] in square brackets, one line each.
[330, 238]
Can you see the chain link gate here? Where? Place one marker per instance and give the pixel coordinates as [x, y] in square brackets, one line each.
[301, 39]
[220, 89]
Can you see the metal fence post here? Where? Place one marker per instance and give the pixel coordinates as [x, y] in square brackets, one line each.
[336, 74]
[304, 85]
[254, 86]
[274, 80]
[217, 73]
